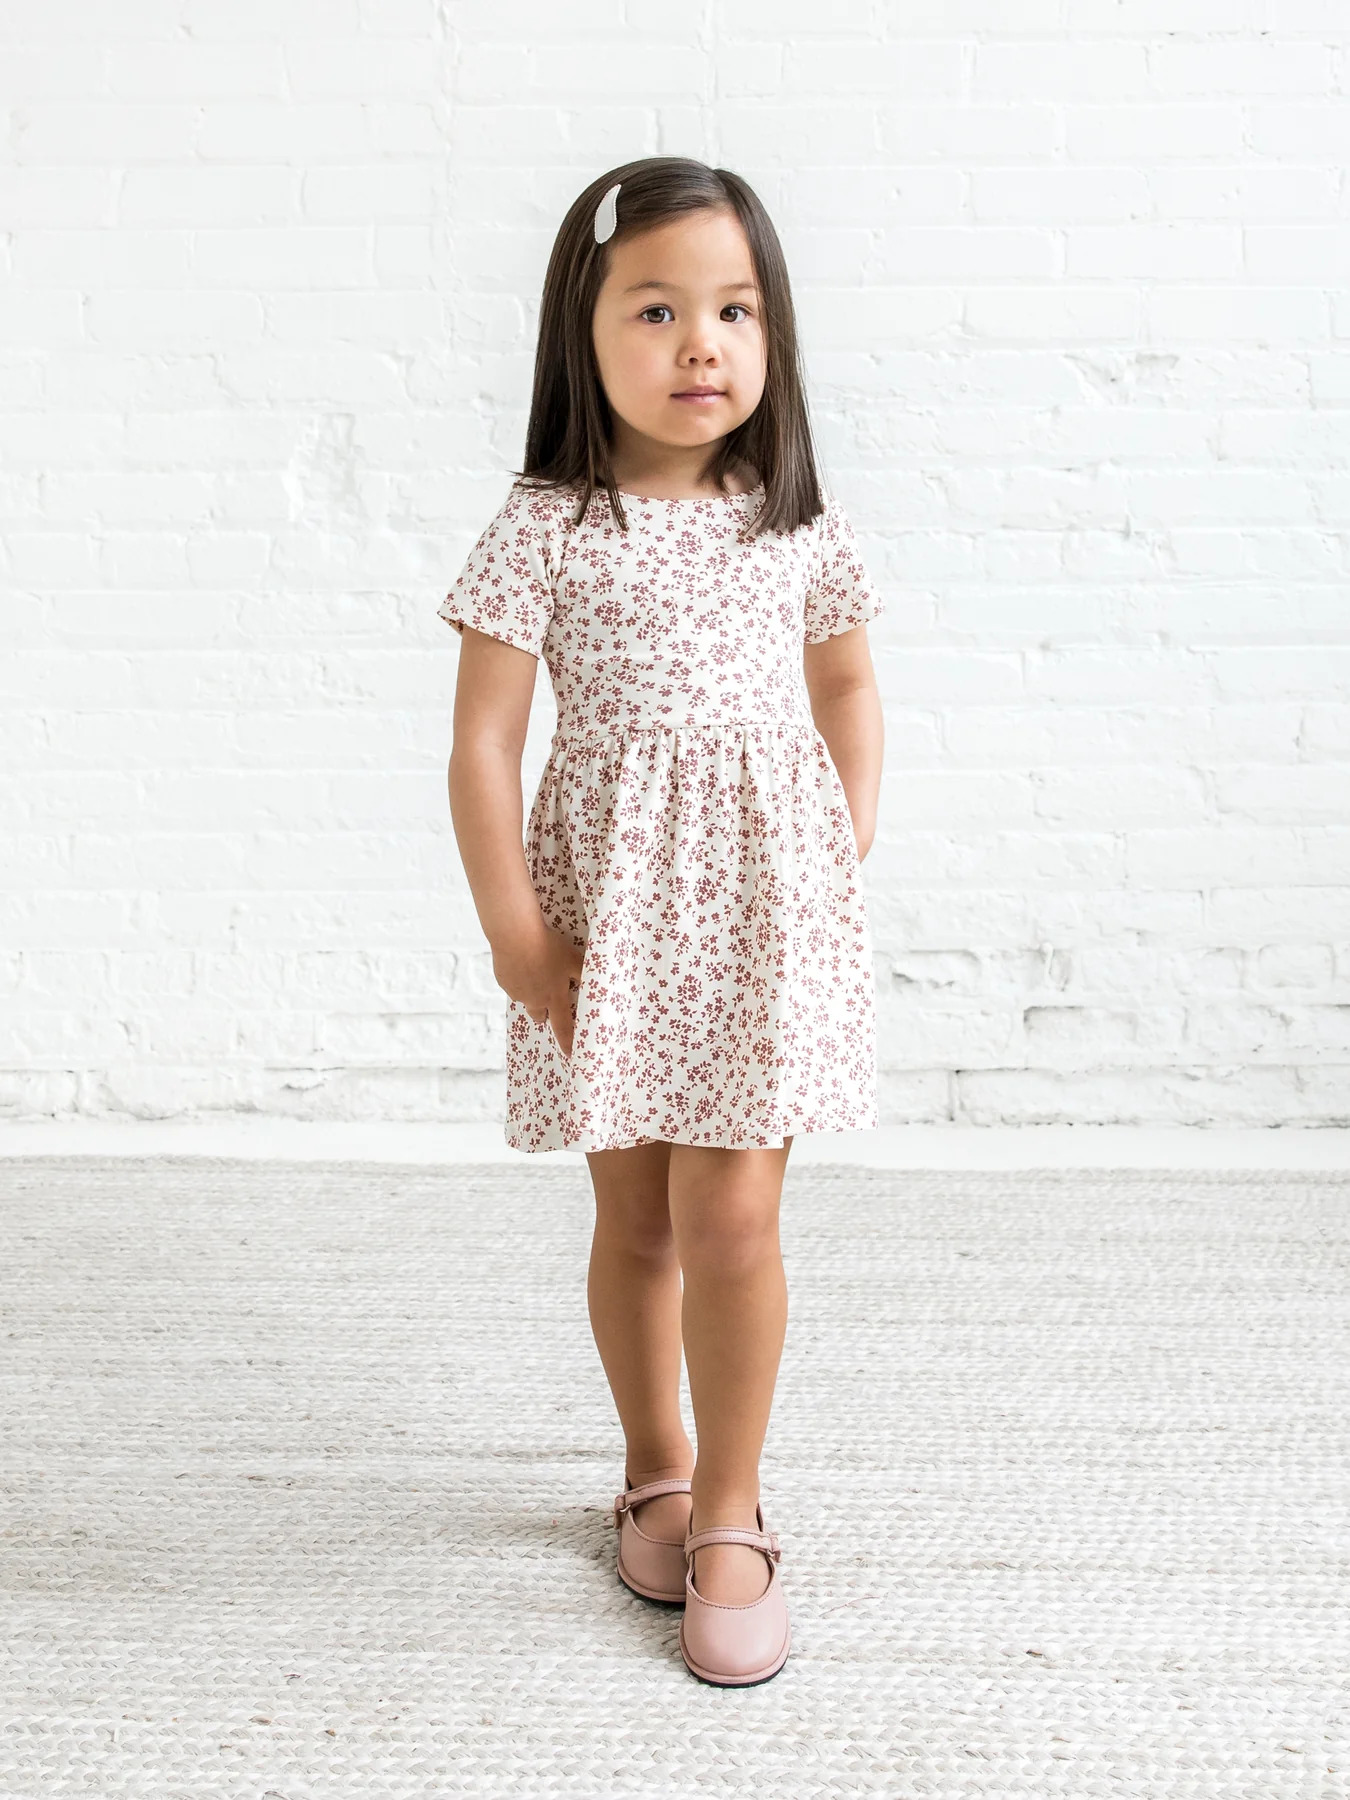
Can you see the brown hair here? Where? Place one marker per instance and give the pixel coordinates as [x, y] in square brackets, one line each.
[567, 439]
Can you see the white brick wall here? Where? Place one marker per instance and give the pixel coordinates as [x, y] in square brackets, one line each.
[1072, 275]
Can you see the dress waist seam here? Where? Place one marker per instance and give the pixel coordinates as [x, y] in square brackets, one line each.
[609, 734]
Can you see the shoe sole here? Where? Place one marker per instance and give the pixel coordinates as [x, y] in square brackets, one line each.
[713, 1680]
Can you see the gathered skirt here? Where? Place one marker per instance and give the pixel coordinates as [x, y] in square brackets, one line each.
[710, 874]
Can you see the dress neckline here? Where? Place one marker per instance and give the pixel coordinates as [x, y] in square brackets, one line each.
[695, 500]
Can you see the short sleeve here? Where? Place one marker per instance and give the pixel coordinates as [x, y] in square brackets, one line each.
[843, 594]
[506, 585]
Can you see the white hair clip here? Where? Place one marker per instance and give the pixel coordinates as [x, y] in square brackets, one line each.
[607, 215]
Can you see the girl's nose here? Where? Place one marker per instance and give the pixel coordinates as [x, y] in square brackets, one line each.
[701, 345]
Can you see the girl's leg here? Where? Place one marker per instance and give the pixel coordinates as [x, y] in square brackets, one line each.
[724, 1216]
[633, 1290]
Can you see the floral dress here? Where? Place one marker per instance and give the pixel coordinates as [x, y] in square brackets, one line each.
[690, 831]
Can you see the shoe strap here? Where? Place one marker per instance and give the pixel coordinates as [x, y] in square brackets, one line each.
[767, 1541]
[631, 1497]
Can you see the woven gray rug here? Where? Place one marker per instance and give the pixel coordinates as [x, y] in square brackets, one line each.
[307, 1472]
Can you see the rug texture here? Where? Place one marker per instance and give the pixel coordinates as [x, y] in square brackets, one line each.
[307, 1473]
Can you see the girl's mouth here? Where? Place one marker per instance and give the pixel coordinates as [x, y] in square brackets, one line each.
[700, 396]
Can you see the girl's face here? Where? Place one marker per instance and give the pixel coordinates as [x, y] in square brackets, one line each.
[678, 331]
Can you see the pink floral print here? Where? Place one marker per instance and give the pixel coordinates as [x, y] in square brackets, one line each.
[690, 831]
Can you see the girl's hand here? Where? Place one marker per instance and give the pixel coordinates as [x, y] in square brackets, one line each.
[544, 974]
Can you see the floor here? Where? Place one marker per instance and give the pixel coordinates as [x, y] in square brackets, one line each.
[306, 1463]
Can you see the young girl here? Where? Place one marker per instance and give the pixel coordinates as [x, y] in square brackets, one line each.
[683, 941]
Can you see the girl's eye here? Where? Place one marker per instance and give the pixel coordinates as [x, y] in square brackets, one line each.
[660, 306]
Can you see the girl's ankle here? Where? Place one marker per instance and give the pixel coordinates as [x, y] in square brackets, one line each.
[680, 1470]
[740, 1512]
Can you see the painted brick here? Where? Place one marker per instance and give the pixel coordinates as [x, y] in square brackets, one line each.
[1071, 283]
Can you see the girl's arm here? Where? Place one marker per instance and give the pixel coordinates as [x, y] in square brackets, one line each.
[847, 711]
[530, 961]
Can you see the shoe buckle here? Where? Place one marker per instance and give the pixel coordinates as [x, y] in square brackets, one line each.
[775, 1550]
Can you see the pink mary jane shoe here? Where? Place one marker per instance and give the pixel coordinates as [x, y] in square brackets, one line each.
[652, 1567]
[735, 1646]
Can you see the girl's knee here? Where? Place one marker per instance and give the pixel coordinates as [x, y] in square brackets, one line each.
[732, 1240]
[638, 1223]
